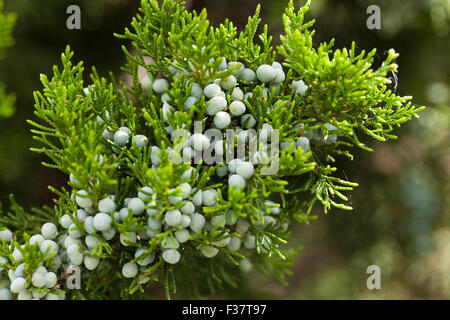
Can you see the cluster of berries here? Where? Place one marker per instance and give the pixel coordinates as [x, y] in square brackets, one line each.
[157, 233]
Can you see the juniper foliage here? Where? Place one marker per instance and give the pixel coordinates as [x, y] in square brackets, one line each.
[346, 99]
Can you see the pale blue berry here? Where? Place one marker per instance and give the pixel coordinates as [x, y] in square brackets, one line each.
[55, 263]
[237, 94]
[109, 234]
[174, 199]
[223, 242]
[242, 225]
[187, 208]
[269, 221]
[49, 245]
[288, 144]
[273, 207]
[102, 221]
[106, 205]
[38, 294]
[238, 68]
[186, 189]
[173, 218]
[331, 138]
[121, 138]
[165, 98]
[209, 197]
[145, 193]
[222, 120]
[152, 233]
[212, 90]
[182, 235]
[218, 221]
[250, 242]
[83, 200]
[228, 83]
[137, 206]
[52, 296]
[209, 251]
[245, 265]
[233, 164]
[81, 215]
[68, 241]
[19, 271]
[24, 295]
[234, 244]
[299, 87]
[5, 294]
[231, 218]
[196, 91]
[248, 121]
[277, 65]
[145, 261]
[245, 170]
[125, 129]
[17, 255]
[248, 75]
[218, 147]
[167, 113]
[6, 235]
[140, 140]
[236, 181]
[170, 243]
[154, 224]
[38, 280]
[215, 105]
[124, 212]
[197, 199]
[185, 221]
[127, 239]
[309, 134]
[129, 270]
[152, 211]
[261, 157]
[36, 239]
[146, 82]
[91, 263]
[91, 241]
[197, 222]
[190, 101]
[280, 76]
[142, 234]
[41, 269]
[237, 108]
[50, 279]
[222, 171]
[248, 95]
[199, 142]
[107, 134]
[74, 254]
[101, 119]
[265, 73]
[303, 143]
[89, 225]
[18, 285]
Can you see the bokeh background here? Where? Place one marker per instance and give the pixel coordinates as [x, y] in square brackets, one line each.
[401, 216]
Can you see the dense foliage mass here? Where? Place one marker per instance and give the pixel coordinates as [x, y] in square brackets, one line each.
[7, 22]
[146, 202]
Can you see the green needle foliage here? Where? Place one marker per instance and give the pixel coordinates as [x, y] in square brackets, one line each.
[346, 98]
[7, 22]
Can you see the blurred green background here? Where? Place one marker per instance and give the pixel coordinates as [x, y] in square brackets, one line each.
[400, 220]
